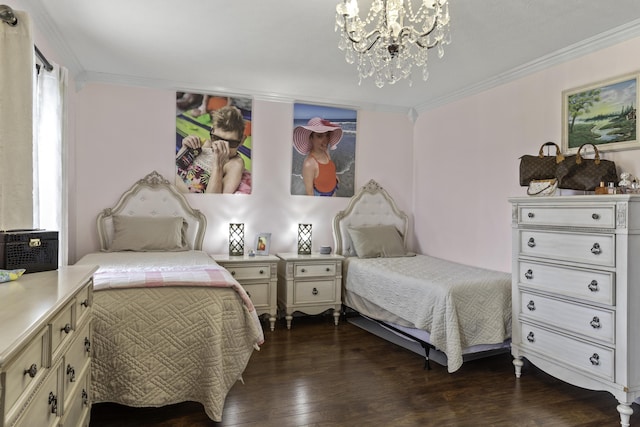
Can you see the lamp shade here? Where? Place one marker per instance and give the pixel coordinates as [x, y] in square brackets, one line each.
[304, 239]
[236, 239]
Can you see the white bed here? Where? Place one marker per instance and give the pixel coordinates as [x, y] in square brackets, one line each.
[170, 325]
[455, 312]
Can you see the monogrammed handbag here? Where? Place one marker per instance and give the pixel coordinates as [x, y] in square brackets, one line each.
[540, 166]
[542, 187]
[578, 173]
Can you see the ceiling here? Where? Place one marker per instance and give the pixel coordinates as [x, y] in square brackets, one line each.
[287, 49]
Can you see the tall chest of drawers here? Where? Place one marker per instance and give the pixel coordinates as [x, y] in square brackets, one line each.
[576, 291]
[45, 348]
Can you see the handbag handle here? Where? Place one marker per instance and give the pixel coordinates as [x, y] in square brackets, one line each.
[559, 156]
[595, 150]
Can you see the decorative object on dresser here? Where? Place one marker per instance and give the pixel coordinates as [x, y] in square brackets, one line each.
[420, 298]
[575, 293]
[580, 173]
[309, 284]
[32, 250]
[540, 166]
[45, 348]
[263, 242]
[170, 324]
[258, 276]
[542, 187]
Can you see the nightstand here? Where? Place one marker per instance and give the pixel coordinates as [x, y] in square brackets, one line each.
[257, 275]
[310, 284]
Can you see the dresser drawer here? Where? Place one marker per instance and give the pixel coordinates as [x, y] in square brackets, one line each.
[61, 328]
[77, 358]
[315, 269]
[44, 408]
[590, 358]
[591, 216]
[250, 272]
[77, 404]
[83, 303]
[590, 285]
[30, 361]
[593, 323]
[259, 294]
[314, 291]
[592, 249]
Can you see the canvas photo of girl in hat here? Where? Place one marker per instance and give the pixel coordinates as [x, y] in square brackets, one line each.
[323, 151]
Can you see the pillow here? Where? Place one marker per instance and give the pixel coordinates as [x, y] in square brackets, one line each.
[149, 233]
[8, 275]
[377, 241]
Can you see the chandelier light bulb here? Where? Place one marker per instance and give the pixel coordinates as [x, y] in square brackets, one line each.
[382, 46]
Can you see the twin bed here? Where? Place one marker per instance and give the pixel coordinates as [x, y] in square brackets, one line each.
[454, 312]
[170, 325]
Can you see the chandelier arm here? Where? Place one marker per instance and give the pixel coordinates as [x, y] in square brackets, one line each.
[356, 42]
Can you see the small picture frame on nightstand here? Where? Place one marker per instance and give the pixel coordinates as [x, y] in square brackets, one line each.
[263, 241]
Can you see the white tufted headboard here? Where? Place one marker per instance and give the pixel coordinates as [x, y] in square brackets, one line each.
[153, 196]
[371, 205]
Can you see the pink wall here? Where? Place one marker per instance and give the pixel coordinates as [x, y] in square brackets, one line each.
[122, 133]
[466, 156]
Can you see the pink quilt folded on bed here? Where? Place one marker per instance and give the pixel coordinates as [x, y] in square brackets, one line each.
[203, 277]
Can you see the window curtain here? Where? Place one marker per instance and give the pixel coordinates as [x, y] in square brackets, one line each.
[16, 133]
[49, 155]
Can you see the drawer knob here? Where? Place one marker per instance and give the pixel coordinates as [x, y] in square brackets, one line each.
[87, 344]
[595, 216]
[530, 214]
[67, 328]
[593, 286]
[32, 371]
[249, 294]
[531, 243]
[315, 291]
[595, 359]
[531, 337]
[303, 270]
[595, 322]
[529, 274]
[233, 272]
[71, 373]
[595, 249]
[85, 303]
[261, 271]
[53, 401]
[85, 397]
[531, 306]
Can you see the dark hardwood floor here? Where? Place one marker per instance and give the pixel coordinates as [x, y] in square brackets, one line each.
[317, 374]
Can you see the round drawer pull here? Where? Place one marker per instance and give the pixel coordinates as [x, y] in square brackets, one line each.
[328, 269]
[32, 371]
[531, 243]
[531, 337]
[71, 373]
[595, 359]
[531, 215]
[233, 272]
[595, 322]
[595, 216]
[315, 291]
[595, 249]
[529, 274]
[303, 270]
[531, 306]
[66, 329]
[261, 271]
[593, 286]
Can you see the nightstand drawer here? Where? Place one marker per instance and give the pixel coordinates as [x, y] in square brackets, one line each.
[587, 248]
[314, 291]
[315, 269]
[591, 322]
[591, 285]
[575, 216]
[591, 358]
[249, 272]
[259, 294]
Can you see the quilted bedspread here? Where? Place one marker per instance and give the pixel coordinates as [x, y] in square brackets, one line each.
[164, 336]
[459, 305]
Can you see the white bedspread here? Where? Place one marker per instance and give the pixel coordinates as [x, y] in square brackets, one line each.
[459, 305]
[180, 337]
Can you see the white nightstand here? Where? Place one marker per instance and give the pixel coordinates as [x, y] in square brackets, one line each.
[310, 284]
[257, 275]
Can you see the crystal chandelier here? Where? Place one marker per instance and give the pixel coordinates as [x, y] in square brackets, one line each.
[392, 38]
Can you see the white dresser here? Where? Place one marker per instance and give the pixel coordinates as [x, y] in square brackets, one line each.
[576, 291]
[309, 284]
[45, 348]
[258, 276]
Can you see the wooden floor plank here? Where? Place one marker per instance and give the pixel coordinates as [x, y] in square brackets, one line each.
[317, 374]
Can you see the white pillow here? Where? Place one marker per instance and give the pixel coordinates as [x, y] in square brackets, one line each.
[149, 234]
[381, 241]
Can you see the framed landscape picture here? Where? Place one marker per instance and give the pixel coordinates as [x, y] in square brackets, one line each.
[602, 114]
